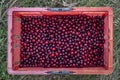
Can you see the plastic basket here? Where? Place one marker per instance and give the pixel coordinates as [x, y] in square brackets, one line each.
[14, 29]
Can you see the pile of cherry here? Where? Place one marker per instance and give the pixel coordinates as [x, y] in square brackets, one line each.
[62, 41]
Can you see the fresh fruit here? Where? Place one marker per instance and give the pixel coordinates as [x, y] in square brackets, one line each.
[62, 41]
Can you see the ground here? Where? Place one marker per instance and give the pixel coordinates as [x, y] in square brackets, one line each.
[5, 4]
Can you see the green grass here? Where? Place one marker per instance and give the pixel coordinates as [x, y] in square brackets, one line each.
[5, 4]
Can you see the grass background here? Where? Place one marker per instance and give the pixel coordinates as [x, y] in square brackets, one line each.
[5, 4]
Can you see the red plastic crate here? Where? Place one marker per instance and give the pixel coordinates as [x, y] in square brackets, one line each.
[14, 29]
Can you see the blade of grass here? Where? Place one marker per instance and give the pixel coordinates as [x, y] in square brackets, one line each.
[7, 9]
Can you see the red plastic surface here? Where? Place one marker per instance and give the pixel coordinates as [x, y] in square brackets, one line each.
[14, 29]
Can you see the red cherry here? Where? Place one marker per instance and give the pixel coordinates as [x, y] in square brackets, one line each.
[72, 41]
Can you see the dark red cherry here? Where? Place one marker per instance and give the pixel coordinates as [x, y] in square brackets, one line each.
[62, 41]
